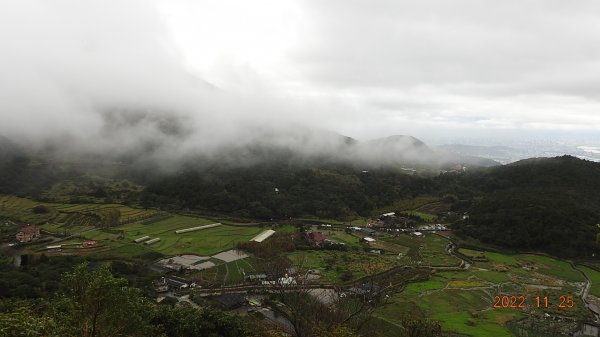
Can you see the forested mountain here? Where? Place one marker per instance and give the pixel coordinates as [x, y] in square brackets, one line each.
[280, 191]
[547, 204]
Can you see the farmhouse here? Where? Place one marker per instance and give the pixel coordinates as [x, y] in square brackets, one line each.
[161, 285]
[89, 243]
[378, 223]
[315, 239]
[28, 233]
[368, 231]
[368, 239]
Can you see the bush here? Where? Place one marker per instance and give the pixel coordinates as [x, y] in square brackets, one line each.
[41, 209]
[346, 276]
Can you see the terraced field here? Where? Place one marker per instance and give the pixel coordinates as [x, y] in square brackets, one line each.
[21, 209]
[67, 216]
[429, 250]
[462, 300]
[334, 264]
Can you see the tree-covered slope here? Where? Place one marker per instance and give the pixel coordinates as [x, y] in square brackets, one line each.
[281, 191]
[549, 204]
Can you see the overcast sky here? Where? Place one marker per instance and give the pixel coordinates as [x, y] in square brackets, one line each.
[367, 69]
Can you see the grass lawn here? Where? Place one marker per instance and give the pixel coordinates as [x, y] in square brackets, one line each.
[390, 247]
[358, 221]
[472, 253]
[100, 235]
[203, 242]
[484, 326]
[412, 243]
[459, 311]
[433, 251]
[594, 276]
[491, 276]
[425, 216]
[501, 258]
[124, 252]
[552, 267]
[235, 270]
[163, 227]
[421, 287]
[54, 228]
[341, 236]
[545, 265]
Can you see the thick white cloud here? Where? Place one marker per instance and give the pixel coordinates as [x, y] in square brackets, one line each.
[468, 64]
[199, 74]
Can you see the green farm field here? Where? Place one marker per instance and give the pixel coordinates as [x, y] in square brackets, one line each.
[341, 236]
[332, 264]
[594, 276]
[429, 249]
[203, 242]
[425, 216]
[20, 209]
[67, 215]
[462, 300]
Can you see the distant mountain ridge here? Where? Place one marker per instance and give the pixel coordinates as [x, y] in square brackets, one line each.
[324, 147]
[259, 145]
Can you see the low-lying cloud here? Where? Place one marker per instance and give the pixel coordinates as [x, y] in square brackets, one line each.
[123, 76]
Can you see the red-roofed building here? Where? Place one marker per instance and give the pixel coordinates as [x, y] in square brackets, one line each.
[316, 239]
[89, 243]
[377, 224]
[28, 233]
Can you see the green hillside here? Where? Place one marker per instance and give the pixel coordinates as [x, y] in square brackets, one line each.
[550, 205]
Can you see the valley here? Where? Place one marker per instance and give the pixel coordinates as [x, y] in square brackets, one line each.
[429, 275]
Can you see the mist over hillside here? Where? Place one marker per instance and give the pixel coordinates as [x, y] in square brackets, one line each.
[168, 148]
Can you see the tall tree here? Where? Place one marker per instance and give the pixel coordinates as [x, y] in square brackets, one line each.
[95, 304]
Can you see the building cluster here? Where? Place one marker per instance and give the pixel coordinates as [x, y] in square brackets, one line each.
[318, 240]
[28, 233]
[165, 284]
[390, 219]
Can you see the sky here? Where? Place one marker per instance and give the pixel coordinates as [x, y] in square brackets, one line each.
[203, 73]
